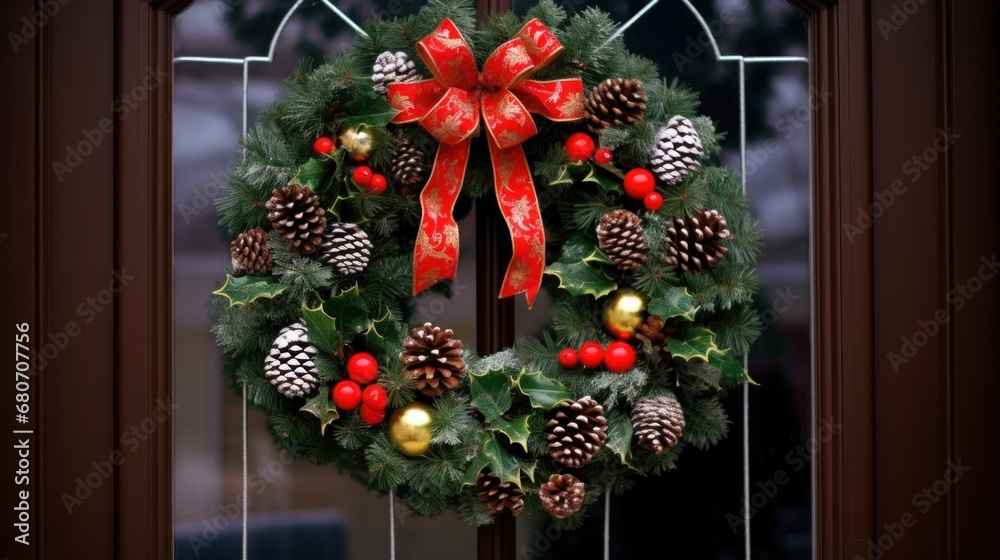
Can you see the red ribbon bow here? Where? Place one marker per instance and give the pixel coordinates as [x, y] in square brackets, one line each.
[448, 107]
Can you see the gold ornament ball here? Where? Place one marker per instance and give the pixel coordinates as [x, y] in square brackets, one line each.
[357, 142]
[410, 429]
[624, 312]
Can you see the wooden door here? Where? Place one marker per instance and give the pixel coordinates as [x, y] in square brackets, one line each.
[905, 241]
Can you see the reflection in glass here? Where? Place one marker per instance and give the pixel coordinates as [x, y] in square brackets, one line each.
[297, 510]
[699, 507]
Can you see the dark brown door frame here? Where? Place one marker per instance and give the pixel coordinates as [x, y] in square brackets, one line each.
[898, 426]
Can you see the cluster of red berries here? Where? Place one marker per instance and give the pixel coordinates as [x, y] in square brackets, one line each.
[639, 183]
[347, 394]
[363, 176]
[618, 357]
[580, 147]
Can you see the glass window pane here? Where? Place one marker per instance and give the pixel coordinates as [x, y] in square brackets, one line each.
[698, 508]
[297, 510]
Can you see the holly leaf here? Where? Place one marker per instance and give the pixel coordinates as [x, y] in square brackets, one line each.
[322, 329]
[349, 309]
[677, 302]
[580, 249]
[321, 407]
[368, 108]
[504, 465]
[706, 372]
[619, 433]
[730, 367]
[476, 466]
[699, 342]
[310, 174]
[490, 393]
[543, 392]
[516, 430]
[384, 336]
[565, 177]
[604, 178]
[246, 289]
[580, 279]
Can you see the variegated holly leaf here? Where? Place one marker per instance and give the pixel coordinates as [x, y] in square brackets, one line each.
[698, 343]
[367, 108]
[677, 302]
[247, 289]
[581, 279]
[321, 407]
[516, 430]
[730, 366]
[385, 335]
[310, 174]
[321, 329]
[350, 311]
[490, 393]
[543, 392]
[580, 249]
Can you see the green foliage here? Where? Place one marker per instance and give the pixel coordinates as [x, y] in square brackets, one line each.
[494, 421]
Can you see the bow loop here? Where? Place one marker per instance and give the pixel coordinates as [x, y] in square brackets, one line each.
[448, 107]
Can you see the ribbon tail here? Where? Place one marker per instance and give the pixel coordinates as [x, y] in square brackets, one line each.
[435, 255]
[518, 203]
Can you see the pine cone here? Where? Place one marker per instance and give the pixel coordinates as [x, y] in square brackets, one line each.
[498, 495]
[677, 150]
[434, 359]
[296, 213]
[562, 495]
[250, 254]
[658, 422]
[657, 332]
[615, 102]
[576, 432]
[408, 165]
[620, 236]
[695, 240]
[289, 365]
[391, 68]
[346, 247]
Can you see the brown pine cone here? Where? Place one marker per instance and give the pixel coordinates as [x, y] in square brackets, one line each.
[621, 236]
[576, 432]
[409, 164]
[695, 240]
[434, 358]
[615, 102]
[250, 253]
[296, 213]
[657, 332]
[498, 495]
[562, 495]
[658, 422]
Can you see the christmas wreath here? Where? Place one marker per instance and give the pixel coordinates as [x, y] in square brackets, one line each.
[340, 211]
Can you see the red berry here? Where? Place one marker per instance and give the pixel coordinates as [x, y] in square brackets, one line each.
[619, 357]
[591, 354]
[363, 175]
[639, 182]
[579, 146]
[653, 201]
[603, 156]
[346, 394]
[323, 145]
[374, 396]
[372, 416]
[568, 358]
[362, 368]
[378, 183]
